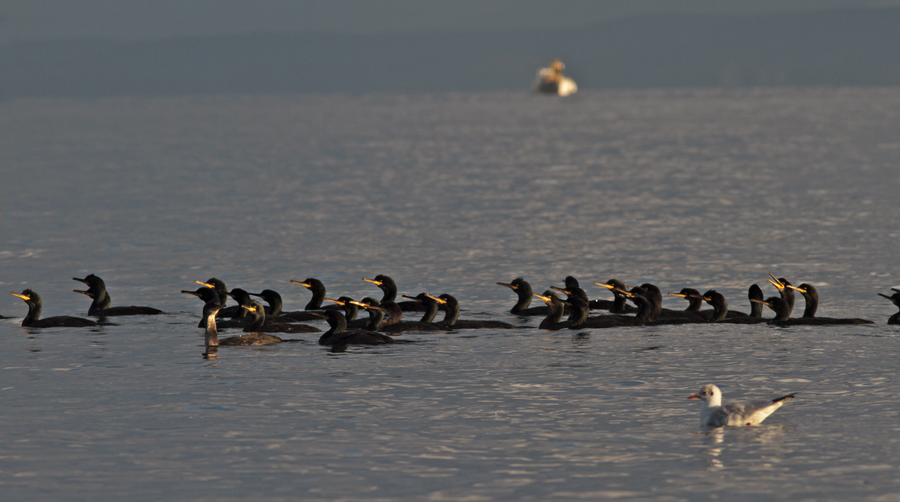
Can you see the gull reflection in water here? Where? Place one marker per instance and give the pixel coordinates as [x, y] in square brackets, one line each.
[711, 439]
[714, 440]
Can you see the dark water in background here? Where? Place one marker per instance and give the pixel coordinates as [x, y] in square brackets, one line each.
[450, 193]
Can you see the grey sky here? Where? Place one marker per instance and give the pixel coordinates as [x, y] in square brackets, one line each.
[154, 19]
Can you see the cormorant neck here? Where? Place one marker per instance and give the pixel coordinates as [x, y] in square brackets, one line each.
[338, 324]
[34, 313]
[390, 294]
[755, 293]
[694, 305]
[101, 302]
[525, 295]
[579, 313]
[318, 296]
[812, 300]
[376, 317]
[619, 303]
[782, 312]
[259, 318]
[212, 337]
[644, 309]
[555, 315]
[350, 311]
[431, 310]
[720, 308]
[275, 306]
[452, 313]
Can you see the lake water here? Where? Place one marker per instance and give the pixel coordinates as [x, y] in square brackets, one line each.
[450, 193]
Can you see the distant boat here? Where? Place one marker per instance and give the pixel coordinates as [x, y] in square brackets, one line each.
[550, 80]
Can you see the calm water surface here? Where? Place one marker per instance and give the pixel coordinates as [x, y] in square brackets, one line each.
[450, 193]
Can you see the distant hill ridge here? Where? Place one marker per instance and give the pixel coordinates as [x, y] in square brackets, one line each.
[828, 48]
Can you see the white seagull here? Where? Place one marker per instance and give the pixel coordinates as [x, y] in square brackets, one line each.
[713, 414]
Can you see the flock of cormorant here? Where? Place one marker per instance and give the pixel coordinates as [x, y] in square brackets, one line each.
[258, 322]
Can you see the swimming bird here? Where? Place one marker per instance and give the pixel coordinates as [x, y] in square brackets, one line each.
[101, 300]
[895, 299]
[714, 414]
[524, 294]
[242, 297]
[572, 289]
[778, 305]
[351, 307]
[811, 296]
[339, 335]
[718, 303]
[206, 295]
[781, 317]
[784, 289]
[619, 303]
[217, 286]
[33, 318]
[389, 288]
[654, 296]
[645, 307]
[376, 315]
[451, 318]
[317, 288]
[210, 309]
[260, 323]
[426, 323]
[273, 299]
[553, 321]
[694, 298]
[755, 293]
[692, 313]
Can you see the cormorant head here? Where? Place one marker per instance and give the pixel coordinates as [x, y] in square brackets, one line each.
[30, 297]
[92, 281]
[206, 294]
[240, 296]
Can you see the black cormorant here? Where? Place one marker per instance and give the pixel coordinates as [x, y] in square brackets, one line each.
[339, 336]
[258, 322]
[578, 312]
[452, 321]
[426, 323]
[317, 288]
[524, 293]
[695, 300]
[718, 303]
[351, 307]
[101, 300]
[779, 305]
[210, 309]
[217, 286]
[33, 318]
[786, 292]
[811, 296]
[206, 295]
[389, 288]
[755, 293]
[895, 299]
[573, 290]
[618, 305]
[242, 297]
[273, 299]
[376, 315]
[553, 321]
